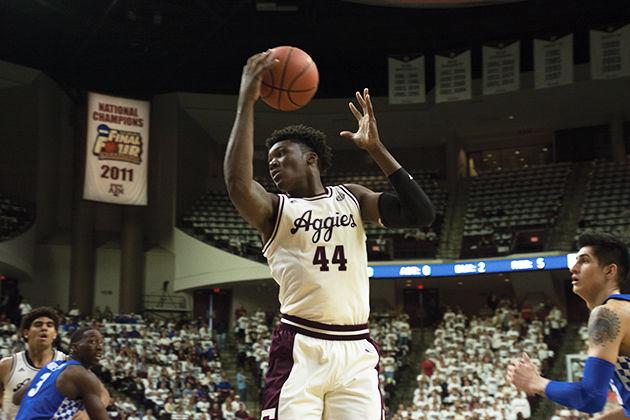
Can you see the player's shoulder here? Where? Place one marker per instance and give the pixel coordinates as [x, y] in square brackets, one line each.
[620, 306]
[357, 190]
[6, 363]
[612, 313]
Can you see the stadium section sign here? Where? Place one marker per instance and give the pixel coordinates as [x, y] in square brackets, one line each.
[117, 150]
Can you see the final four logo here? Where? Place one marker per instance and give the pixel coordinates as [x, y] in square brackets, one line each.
[112, 144]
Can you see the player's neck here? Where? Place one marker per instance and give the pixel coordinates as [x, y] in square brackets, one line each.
[40, 356]
[311, 187]
[601, 297]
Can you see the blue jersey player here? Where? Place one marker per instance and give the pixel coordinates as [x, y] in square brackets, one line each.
[62, 388]
[598, 276]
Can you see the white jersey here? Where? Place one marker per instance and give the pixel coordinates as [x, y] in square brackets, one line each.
[317, 255]
[22, 371]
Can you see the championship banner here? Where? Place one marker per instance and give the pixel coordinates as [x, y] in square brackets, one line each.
[453, 80]
[610, 52]
[501, 67]
[553, 61]
[117, 150]
[406, 80]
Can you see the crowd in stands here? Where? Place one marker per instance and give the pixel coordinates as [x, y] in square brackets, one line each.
[463, 375]
[16, 216]
[154, 369]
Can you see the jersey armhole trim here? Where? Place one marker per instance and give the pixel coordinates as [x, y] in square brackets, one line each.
[281, 199]
[352, 196]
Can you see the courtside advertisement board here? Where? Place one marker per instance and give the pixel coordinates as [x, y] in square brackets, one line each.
[117, 150]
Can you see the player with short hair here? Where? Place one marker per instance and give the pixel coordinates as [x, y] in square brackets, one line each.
[62, 388]
[322, 362]
[598, 276]
[39, 330]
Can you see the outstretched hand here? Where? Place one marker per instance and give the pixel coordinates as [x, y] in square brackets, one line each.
[366, 135]
[252, 76]
[523, 374]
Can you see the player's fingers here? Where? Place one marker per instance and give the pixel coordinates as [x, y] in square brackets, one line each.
[361, 100]
[257, 57]
[355, 111]
[368, 102]
[263, 61]
[346, 134]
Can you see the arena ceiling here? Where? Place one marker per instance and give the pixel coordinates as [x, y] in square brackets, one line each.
[144, 47]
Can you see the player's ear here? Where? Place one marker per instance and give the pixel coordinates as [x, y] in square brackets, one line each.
[611, 270]
[312, 158]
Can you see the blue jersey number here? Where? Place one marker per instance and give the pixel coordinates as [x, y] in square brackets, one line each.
[33, 391]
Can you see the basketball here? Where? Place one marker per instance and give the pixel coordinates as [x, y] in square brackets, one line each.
[292, 82]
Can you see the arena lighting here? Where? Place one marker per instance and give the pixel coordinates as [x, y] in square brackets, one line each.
[557, 262]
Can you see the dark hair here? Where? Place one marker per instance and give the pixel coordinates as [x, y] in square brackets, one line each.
[48, 312]
[315, 140]
[608, 249]
[77, 335]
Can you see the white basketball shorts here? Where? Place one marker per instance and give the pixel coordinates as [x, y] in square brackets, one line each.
[319, 371]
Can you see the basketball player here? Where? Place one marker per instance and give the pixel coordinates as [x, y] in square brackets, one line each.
[62, 388]
[322, 362]
[598, 276]
[39, 330]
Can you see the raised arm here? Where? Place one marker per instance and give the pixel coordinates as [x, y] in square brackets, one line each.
[410, 206]
[588, 395]
[254, 204]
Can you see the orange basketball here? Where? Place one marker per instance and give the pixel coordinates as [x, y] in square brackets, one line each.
[292, 82]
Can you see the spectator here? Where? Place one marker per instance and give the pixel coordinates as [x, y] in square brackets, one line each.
[241, 385]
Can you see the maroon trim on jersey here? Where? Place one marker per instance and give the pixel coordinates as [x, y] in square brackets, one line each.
[280, 365]
[325, 194]
[281, 199]
[347, 191]
[320, 326]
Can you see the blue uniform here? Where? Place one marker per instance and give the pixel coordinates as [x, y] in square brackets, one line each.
[43, 400]
[621, 380]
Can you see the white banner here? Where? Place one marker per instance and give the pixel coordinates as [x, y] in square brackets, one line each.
[406, 80]
[501, 68]
[553, 62]
[610, 53]
[452, 77]
[117, 150]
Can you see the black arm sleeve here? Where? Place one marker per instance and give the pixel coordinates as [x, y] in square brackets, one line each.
[409, 207]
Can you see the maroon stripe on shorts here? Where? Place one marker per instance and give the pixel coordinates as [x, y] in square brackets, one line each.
[377, 367]
[280, 365]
